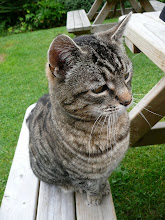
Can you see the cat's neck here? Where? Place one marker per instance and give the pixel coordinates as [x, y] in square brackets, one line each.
[64, 118]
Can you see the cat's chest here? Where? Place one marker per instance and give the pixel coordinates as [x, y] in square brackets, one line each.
[93, 151]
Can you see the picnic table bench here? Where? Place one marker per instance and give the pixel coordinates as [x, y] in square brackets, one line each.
[27, 198]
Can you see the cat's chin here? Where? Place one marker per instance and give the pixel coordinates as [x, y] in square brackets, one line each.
[122, 109]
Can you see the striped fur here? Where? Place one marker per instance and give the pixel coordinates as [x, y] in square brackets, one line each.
[77, 134]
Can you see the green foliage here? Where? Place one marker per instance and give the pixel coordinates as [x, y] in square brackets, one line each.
[45, 14]
[31, 15]
[11, 10]
[71, 5]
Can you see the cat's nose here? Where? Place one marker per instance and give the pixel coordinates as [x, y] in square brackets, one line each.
[124, 98]
[126, 103]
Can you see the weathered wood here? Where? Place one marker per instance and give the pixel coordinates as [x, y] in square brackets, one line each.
[77, 21]
[70, 21]
[54, 204]
[78, 25]
[122, 7]
[94, 9]
[102, 27]
[154, 15]
[104, 211]
[131, 46]
[85, 21]
[136, 6]
[158, 6]
[146, 5]
[114, 13]
[20, 197]
[155, 136]
[148, 35]
[114, 10]
[153, 101]
[104, 12]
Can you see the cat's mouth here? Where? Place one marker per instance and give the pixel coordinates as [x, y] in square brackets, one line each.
[115, 111]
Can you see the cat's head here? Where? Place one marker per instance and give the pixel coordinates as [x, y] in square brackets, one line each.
[90, 75]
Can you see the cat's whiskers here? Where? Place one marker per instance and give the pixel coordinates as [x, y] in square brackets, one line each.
[147, 109]
[109, 125]
[145, 119]
[99, 118]
[116, 120]
[142, 115]
[111, 128]
[136, 55]
[110, 132]
[102, 127]
[138, 94]
[107, 135]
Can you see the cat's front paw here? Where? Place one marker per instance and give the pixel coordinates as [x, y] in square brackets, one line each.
[94, 200]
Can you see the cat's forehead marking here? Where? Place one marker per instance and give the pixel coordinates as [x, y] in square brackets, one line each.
[107, 57]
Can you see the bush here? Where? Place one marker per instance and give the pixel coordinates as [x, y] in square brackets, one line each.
[71, 5]
[22, 15]
[10, 11]
[45, 14]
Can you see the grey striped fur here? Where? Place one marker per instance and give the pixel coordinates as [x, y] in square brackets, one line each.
[79, 132]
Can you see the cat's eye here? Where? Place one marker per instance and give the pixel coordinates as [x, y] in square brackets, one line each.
[126, 76]
[99, 89]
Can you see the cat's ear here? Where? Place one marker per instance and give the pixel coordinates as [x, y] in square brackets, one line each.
[116, 32]
[60, 53]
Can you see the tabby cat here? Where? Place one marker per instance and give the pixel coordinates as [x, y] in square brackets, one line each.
[79, 132]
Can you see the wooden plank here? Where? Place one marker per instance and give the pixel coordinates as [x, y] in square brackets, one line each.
[136, 6]
[153, 101]
[77, 20]
[155, 136]
[148, 36]
[104, 12]
[94, 9]
[54, 204]
[111, 13]
[122, 7]
[21, 193]
[104, 211]
[158, 6]
[131, 46]
[146, 5]
[114, 10]
[102, 27]
[70, 21]
[154, 15]
[85, 21]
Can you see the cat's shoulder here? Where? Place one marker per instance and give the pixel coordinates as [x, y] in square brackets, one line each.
[41, 108]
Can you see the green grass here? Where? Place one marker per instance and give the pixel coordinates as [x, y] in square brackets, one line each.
[137, 184]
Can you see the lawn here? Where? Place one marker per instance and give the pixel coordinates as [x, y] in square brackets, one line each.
[138, 183]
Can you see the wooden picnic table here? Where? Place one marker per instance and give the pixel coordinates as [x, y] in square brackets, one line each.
[144, 5]
[79, 22]
[147, 33]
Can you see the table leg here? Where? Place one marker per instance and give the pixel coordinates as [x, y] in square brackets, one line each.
[104, 12]
[94, 9]
[141, 116]
[146, 5]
